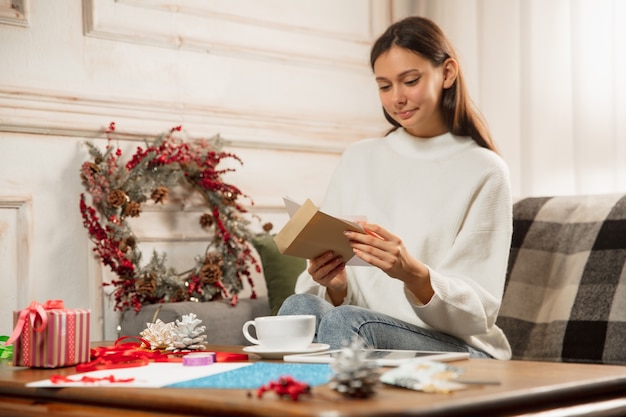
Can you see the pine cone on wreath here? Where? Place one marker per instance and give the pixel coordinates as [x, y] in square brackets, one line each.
[126, 244]
[146, 285]
[132, 209]
[206, 220]
[211, 271]
[210, 274]
[116, 198]
[123, 245]
[131, 242]
[229, 198]
[160, 194]
[94, 167]
[179, 295]
[215, 258]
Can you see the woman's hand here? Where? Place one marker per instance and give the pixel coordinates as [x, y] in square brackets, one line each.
[329, 271]
[383, 249]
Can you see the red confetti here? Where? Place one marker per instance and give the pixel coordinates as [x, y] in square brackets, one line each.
[285, 386]
[60, 379]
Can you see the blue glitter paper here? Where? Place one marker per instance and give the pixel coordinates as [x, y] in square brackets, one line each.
[260, 373]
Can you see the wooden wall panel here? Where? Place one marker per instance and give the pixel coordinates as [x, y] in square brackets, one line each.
[14, 12]
[290, 31]
[15, 257]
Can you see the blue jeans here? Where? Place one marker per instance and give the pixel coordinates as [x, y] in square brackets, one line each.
[337, 326]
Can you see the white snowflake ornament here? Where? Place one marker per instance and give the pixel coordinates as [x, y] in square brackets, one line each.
[160, 335]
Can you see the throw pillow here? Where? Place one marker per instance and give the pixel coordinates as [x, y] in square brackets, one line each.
[281, 271]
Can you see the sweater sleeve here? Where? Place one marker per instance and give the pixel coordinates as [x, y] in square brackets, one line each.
[469, 281]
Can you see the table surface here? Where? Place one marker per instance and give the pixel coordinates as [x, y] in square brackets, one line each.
[524, 387]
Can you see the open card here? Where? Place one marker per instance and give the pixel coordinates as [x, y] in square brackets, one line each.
[424, 375]
[311, 232]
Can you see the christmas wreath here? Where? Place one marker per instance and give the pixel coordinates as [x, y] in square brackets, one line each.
[118, 192]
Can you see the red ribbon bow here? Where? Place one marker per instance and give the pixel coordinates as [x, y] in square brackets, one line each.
[36, 312]
[137, 353]
[121, 355]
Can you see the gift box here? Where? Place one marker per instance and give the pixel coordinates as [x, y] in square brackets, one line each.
[50, 336]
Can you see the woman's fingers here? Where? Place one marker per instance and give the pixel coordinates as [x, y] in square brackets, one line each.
[325, 267]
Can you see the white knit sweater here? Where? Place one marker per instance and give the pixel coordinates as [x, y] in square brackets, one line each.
[449, 200]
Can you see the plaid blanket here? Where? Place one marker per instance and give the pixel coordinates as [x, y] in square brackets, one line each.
[565, 296]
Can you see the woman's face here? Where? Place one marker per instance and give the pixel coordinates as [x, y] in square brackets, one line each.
[410, 89]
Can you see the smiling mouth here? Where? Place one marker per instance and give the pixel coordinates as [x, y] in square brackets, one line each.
[405, 114]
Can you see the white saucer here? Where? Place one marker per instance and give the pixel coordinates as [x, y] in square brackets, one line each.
[278, 354]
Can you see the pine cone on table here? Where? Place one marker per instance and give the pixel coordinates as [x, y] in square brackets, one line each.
[353, 376]
[188, 334]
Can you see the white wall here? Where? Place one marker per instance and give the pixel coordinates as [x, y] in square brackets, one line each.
[287, 83]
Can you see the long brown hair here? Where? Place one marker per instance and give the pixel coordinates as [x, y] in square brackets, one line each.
[424, 37]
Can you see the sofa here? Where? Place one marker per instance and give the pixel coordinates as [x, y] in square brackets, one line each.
[564, 298]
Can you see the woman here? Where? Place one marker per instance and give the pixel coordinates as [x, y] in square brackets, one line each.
[437, 180]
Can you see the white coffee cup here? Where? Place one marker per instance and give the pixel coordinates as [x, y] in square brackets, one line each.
[281, 332]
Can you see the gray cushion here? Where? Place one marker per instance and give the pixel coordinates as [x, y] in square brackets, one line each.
[223, 322]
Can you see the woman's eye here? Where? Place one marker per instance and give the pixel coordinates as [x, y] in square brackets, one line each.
[413, 81]
[384, 87]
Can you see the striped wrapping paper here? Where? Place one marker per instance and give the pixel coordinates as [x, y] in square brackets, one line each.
[63, 342]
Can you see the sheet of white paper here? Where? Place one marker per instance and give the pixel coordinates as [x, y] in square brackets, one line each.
[356, 261]
[292, 208]
[291, 205]
[153, 375]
